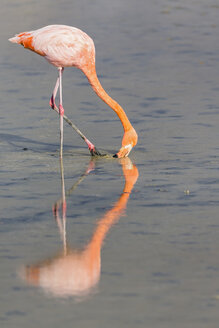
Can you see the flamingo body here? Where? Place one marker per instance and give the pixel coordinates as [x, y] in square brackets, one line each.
[61, 45]
[66, 46]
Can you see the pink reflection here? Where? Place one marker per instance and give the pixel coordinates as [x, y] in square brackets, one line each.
[75, 272]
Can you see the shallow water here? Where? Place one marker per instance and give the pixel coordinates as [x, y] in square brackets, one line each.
[154, 252]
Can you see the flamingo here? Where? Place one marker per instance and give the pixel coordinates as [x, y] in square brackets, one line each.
[67, 46]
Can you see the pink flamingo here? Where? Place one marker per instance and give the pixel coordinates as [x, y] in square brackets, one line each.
[66, 46]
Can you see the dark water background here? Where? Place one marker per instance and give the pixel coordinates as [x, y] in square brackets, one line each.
[160, 261]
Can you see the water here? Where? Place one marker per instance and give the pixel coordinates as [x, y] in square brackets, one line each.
[159, 253]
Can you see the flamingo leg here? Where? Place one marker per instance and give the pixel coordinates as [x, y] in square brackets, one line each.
[52, 100]
[61, 111]
[93, 150]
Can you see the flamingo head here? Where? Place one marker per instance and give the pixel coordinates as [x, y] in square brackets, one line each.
[129, 140]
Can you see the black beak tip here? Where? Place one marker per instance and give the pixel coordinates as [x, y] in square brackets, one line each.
[115, 156]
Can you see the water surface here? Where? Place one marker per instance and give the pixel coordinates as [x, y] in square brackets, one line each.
[157, 265]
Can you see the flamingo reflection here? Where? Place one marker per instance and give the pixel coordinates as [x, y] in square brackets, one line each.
[75, 272]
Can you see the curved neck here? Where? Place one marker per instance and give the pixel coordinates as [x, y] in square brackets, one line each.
[97, 87]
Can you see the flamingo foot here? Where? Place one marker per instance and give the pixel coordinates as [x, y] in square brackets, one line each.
[52, 103]
[93, 150]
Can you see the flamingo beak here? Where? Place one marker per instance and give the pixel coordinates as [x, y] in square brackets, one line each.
[124, 151]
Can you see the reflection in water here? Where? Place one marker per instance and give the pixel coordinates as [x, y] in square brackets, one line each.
[75, 272]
